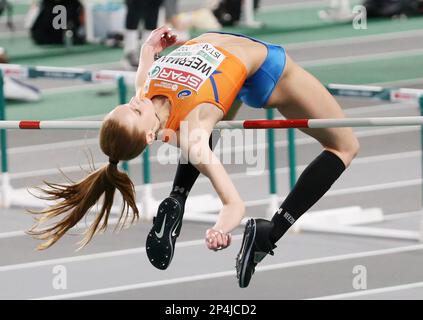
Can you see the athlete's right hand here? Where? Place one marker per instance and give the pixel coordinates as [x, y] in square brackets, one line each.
[160, 39]
[217, 240]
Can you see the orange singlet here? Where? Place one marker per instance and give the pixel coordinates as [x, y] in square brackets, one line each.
[195, 73]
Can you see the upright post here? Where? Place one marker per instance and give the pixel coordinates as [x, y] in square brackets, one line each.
[273, 197]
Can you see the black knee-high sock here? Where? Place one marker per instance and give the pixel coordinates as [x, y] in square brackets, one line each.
[313, 183]
[187, 174]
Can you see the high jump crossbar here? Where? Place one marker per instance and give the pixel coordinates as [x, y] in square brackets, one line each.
[243, 124]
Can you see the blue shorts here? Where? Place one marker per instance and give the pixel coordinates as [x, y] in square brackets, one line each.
[258, 88]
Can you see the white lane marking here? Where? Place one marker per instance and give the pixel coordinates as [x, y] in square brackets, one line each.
[376, 187]
[355, 40]
[362, 293]
[292, 6]
[79, 226]
[53, 146]
[140, 286]
[398, 83]
[95, 256]
[12, 234]
[360, 58]
[383, 108]
[402, 215]
[87, 86]
[216, 275]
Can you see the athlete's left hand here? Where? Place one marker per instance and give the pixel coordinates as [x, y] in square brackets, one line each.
[160, 39]
[217, 239]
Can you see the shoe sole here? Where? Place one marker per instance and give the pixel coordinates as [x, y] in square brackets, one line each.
[160, 250]
[245, 252]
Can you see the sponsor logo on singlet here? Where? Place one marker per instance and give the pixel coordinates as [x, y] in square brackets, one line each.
[189, 65]
[183, 94]
[180, 77]
[166, 85]
[155, 71]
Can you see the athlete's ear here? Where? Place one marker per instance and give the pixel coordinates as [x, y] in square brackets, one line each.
[150, 137]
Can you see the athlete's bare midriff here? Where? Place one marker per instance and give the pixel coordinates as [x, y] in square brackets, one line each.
[251, 53]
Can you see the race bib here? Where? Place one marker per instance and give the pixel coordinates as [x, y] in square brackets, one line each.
[189, 65]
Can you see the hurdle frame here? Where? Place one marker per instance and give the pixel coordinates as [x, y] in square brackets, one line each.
[381, 94]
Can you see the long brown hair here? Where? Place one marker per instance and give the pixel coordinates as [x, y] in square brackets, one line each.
[74, 200]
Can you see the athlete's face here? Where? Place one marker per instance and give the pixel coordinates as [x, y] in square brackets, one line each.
[138, 115]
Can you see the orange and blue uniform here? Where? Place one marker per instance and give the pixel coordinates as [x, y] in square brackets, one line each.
[201, 73]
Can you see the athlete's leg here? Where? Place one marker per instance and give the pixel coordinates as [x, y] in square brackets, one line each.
[151, 15]
[299, 95]
[172, 208]
[133, 17]
[305, 97]
[186, 173]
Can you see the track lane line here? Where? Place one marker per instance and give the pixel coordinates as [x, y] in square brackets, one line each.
[228, 273]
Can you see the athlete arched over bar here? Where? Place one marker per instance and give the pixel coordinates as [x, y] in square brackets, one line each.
[198, 83]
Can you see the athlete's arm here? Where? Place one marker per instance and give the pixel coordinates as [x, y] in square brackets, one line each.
[159, 39]
[196, 149]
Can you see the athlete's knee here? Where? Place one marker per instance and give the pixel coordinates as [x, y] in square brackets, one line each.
[347, 150]
[353, 148]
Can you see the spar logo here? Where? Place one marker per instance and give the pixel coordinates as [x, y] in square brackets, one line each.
[180, 77]
[155, 71]
[183, 94]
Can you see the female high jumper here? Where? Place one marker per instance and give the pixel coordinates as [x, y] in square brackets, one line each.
[195, 87]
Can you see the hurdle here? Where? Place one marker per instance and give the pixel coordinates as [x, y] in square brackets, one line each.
[378, 93]
[58, 73]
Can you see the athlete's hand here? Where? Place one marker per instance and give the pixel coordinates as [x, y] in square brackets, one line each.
[160, 39]
[217, 239]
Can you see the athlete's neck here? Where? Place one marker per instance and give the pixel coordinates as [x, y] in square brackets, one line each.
[162, 109]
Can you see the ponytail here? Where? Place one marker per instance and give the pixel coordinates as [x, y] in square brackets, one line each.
[76, 199]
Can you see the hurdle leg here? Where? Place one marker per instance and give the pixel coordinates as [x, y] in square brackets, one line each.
[147, 199]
